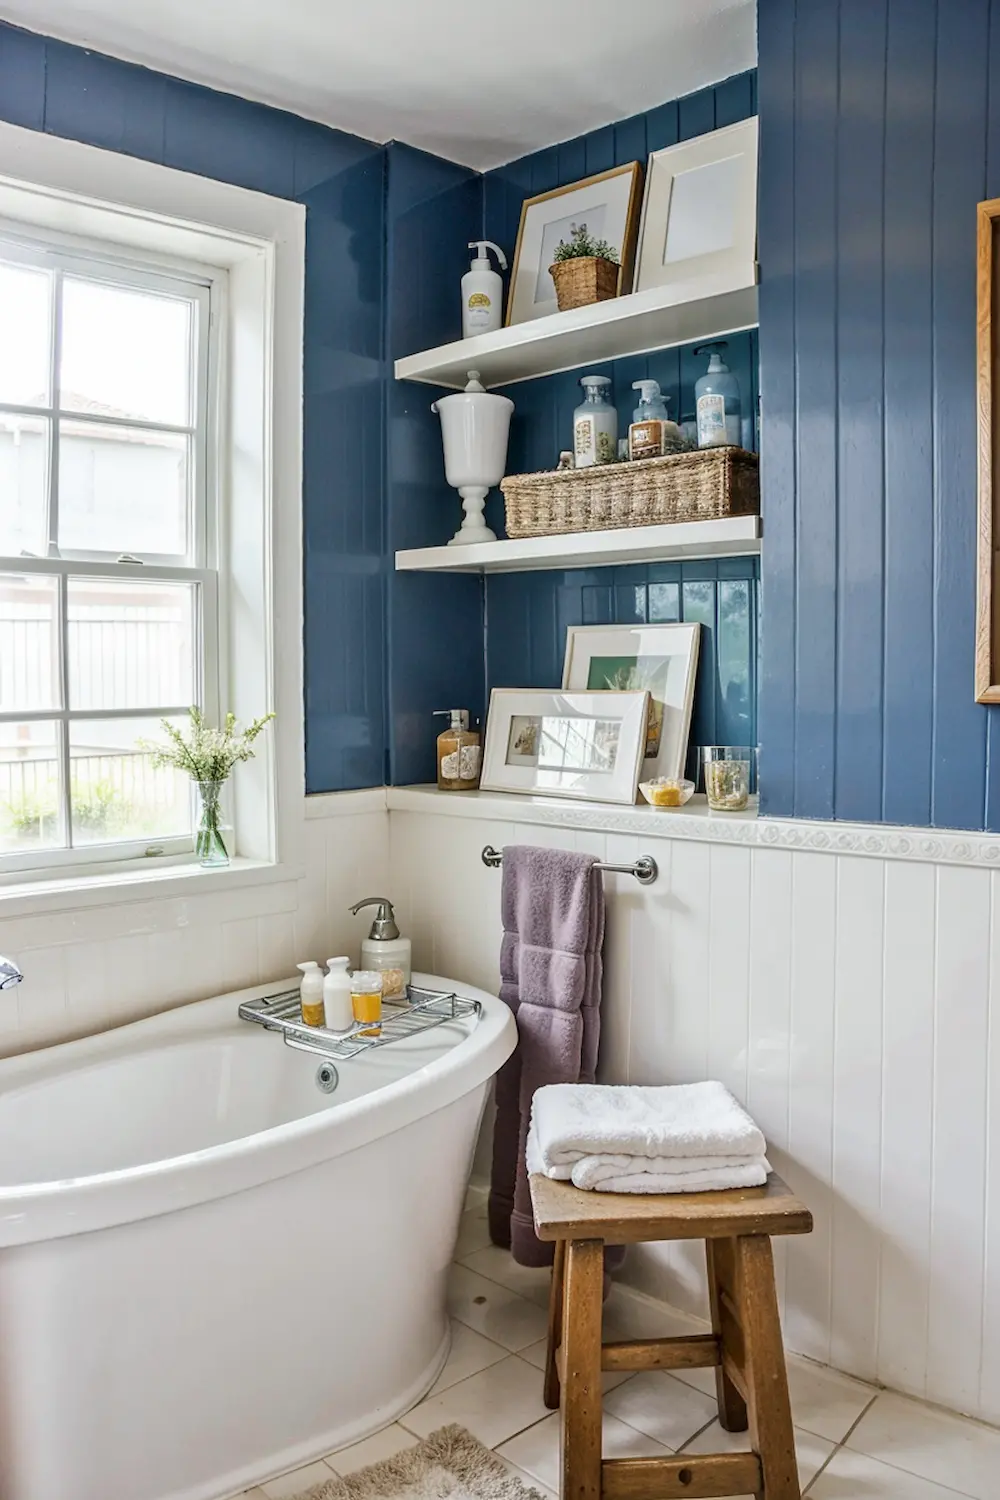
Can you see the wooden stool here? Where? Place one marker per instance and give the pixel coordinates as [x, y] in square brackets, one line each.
[744, 1345]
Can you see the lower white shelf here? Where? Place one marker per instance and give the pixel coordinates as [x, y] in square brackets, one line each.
[732, 536]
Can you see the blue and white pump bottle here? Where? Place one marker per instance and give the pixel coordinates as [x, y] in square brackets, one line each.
[717, 402]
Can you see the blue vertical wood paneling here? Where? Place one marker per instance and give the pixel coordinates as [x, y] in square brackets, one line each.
[22, 78]
[85, 96]
[860, 455]
[880, 132]
[435, 653]
[815, 680]
[909, 494]
[776, 240]
[958, 788]
[527, 615]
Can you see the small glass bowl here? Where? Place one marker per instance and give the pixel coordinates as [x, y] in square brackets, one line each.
[667, 791]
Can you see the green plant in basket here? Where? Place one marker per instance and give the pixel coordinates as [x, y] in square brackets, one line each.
[581, 244]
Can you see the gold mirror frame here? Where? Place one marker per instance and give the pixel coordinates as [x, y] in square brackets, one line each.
[988, 451]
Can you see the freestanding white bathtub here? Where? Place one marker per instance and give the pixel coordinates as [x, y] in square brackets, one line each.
[211, 1271]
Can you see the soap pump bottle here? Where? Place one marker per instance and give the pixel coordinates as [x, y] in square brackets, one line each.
[482, 291]
[649, 420]
[459, 757]
[384, 950]
[717, 401]
[311, 992]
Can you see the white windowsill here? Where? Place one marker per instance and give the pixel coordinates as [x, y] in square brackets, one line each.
[73, 892]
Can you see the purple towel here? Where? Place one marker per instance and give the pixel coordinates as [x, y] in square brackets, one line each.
[550, 976]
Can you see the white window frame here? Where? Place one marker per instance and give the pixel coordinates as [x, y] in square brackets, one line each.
[166, 217]
[117, 265]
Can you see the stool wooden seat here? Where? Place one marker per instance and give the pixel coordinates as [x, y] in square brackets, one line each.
[744, 1345]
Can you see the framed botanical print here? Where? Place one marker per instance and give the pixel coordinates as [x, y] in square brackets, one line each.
[553, 744]
[662, 659]
[608, 204]
[699, 216]
[988, 452]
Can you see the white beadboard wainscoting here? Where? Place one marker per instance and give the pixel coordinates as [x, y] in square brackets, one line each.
[95, 967]
[841, 981]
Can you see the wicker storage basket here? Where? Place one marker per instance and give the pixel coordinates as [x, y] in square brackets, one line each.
[585, 279]
[698, 486]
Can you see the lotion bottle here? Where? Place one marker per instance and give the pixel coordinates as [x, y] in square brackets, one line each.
[717, 402]
[383, 949]
[482, 291]
[311, 992]
[337, 996]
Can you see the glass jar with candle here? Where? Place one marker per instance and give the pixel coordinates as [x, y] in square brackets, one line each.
[727, 776]
[366, 1001]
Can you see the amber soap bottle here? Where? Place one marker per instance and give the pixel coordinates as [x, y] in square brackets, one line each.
[459, 753]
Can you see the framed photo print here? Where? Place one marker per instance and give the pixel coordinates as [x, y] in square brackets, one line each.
[699, 216]
[659, 659]
[607, 203]
[553, 744]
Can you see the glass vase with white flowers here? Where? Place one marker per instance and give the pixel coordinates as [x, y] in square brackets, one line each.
[207, 754]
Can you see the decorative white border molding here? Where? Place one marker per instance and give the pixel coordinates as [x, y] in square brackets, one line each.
[873, 840]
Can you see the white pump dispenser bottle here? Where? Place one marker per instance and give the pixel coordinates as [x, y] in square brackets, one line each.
[482, 291]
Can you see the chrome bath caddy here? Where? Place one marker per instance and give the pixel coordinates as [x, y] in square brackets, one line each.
[422, 1010]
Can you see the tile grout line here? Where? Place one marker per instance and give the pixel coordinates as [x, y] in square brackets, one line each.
[841, 1444]
[687, 1441]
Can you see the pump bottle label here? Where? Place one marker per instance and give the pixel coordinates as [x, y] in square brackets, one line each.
[479, 310]
[711, 421]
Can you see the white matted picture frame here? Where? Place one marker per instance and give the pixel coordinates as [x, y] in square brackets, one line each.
[609, 204]
[662, 659]
[699, 212]
[549, 743]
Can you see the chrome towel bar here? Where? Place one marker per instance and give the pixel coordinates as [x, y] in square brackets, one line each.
[645, 868]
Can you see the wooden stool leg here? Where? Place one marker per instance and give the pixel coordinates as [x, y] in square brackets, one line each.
[723, 1296]
[580, 1440]
[551, 1388]
[771, 1433]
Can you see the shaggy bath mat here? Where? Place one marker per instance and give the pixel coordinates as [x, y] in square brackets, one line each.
[449, 1465]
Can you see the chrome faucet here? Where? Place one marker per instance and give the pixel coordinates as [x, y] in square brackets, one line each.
[10, 974]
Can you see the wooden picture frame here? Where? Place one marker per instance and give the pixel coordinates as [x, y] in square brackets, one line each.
[988, 451]
[623, 199]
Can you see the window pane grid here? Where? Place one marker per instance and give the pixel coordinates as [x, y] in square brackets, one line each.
[136, 427]
[72, 773]
[107, 457]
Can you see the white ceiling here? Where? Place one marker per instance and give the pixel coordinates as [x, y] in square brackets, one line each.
[475, 81]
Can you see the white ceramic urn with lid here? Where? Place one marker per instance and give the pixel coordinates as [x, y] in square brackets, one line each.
[474, 429]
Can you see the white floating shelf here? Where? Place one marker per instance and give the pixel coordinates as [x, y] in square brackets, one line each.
[681, 541]
[637, 324]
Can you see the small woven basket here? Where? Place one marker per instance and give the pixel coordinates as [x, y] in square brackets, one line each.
[585, 279]
[701, 486]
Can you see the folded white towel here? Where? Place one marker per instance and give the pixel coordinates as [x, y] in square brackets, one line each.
[600, 1172]
[754, 1174]
[652, 1174]
[677, 1121]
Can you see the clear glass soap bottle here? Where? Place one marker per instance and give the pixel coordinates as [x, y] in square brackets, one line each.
[459, 755]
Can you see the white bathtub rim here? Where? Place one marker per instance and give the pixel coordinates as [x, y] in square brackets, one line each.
[334, 1441]
[31, 1212]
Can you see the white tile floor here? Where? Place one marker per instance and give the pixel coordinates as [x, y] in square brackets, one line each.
[852, 1440]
